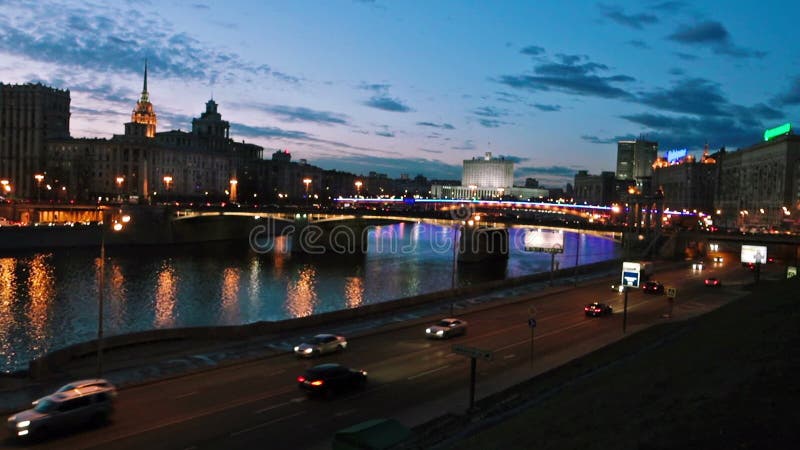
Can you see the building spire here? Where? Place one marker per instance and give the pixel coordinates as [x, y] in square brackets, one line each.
[145, 95]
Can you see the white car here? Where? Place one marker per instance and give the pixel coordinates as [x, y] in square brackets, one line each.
[446, 328]
[320, 344]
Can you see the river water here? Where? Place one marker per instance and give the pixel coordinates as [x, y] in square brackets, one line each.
[49, 300]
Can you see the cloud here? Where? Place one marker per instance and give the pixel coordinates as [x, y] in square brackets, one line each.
[393, 167]
[268, 132]
[547, 108]
[444, 126]
[668, 6]
[792, 95]
[300, 114]
[490, 123]
[489, 111]
[532, 50]
[387, 104]
[109, 40]
[714, 35]
[686, 131]
[380, 88]
[686, 56]
[638, 44]
[572, 76]
[689, 95]
[514, 159]
[388, 134]
[635, 21]
[467, 145]
[599, 140]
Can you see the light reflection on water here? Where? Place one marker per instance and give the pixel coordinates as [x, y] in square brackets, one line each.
[49, 300]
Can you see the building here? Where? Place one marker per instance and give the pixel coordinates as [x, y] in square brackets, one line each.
[487, 178]
[30, 114]
[594, 189]
[687, 184]
[759, 186]
[635, 159]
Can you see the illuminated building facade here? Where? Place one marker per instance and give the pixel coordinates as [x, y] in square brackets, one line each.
[759, 186]
[687, 184]
[143, 118]
[488, 173]
[30, 114]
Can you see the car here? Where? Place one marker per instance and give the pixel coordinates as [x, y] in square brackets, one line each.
[697, 266]
[711, 281]
[84, 384]
[64, 411]
[618, 287]
[770, 259]
[653, 287]
[327, 379]
[321, 344]
[718, 259]
[597, 309]
[447, 328]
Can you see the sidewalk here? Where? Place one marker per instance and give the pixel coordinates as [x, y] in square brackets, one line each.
[147, 363]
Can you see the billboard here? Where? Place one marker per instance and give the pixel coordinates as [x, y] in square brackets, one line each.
[541, 240]
[676, 154]
[754, 254]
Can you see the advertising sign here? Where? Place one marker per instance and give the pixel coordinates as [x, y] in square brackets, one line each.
[754, 254]
[542, 240]
[676, 154]
[630, 274]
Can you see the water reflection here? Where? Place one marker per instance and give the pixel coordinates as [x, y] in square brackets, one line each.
[301, 296]
[8, 280]
[354, 292]
[40, 293]
[230, 295]
[166, 296]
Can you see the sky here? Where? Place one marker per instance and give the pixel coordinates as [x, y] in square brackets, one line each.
[416, 87]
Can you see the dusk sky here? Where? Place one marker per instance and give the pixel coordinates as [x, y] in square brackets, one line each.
[418, 86]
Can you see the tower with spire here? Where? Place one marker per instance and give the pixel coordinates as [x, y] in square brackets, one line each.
[143, 119]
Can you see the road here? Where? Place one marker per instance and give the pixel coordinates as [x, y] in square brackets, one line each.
[258, 404]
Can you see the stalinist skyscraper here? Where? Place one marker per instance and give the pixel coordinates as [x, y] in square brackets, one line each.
[143, 118]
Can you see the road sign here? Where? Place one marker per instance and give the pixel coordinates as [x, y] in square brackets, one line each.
[532, 322]
[473, 352]
[672, 292]
[791, 272]
[630, 274]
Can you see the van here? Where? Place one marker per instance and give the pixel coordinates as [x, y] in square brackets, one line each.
[64, 411]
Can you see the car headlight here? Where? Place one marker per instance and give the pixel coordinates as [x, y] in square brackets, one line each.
[428, 330]
[297, 349]
[440, 333]
[23, 424]
[308, 350]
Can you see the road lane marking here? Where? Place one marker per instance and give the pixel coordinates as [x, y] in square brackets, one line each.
[277, 372]
[509, 356]
[271, 407]
[262, 425]
[413, 377]
[344, 413]
[528, 341]
[185, 395]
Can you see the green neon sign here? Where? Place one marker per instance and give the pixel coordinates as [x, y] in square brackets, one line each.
[777, 131]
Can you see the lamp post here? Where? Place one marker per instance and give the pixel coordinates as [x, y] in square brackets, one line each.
[120, 180]
[117, 226]
[358, 188]
[307, 182]
[38, 177]
[167, 182]
[6, 187]
[233, 197]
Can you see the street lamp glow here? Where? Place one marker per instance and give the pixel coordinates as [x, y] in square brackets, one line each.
[234, 181]
[120, 180]
[38, 177]
[126, 218]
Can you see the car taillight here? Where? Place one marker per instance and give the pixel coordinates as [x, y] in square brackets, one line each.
[586, 309]
[301, 379]
[316, 383]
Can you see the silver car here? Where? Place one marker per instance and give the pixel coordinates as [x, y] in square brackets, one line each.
[83, 384]
[321, 344]
[64, 410]
[446, 328]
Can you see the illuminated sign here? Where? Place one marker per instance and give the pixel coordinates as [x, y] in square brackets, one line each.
[754, 254]
[540, 240]
[777, 131]
[676, 154]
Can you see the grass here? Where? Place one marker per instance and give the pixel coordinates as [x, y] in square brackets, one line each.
[726, 380]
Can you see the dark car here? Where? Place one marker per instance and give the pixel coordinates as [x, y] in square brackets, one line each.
[653, 287]
[713, 282]
[597, 309]
[326, 379]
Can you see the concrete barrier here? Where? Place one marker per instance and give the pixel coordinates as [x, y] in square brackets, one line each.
[50, 363]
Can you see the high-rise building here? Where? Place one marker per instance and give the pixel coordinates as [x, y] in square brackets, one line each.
[488, 173]
[635, 159]
[143, 118]
[30, 114]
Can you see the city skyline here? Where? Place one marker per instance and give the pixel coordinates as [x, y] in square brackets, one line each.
[415, 88]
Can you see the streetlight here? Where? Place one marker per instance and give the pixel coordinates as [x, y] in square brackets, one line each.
[6, 186]
[120, 180]
[358, 188]
[167, 181]
[117, 226]
[38, 177]
[307, 182]
[233, 196]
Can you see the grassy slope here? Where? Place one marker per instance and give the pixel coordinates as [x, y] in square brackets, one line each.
[727, 380]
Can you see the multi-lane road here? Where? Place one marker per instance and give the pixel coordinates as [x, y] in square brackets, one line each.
[258, 404]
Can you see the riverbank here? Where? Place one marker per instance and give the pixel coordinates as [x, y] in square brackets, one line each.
[726, 379]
